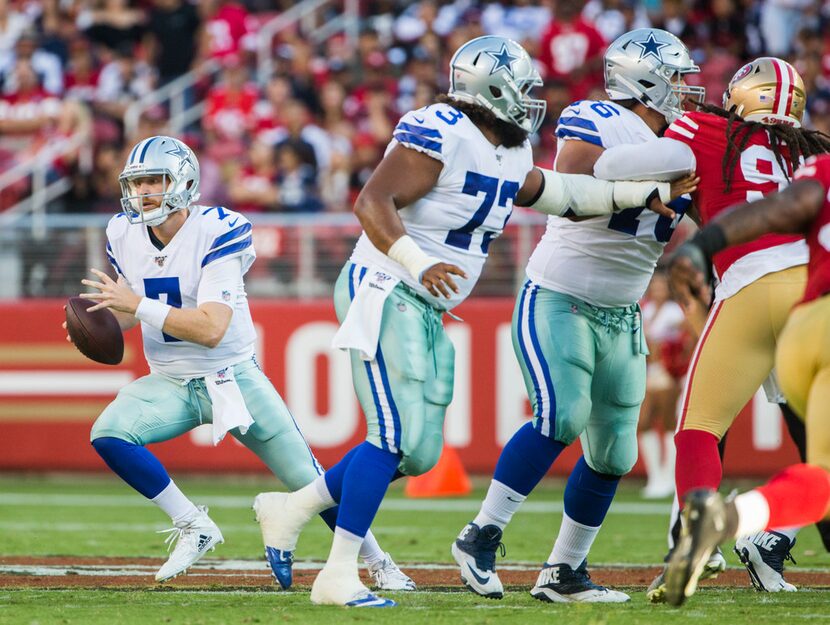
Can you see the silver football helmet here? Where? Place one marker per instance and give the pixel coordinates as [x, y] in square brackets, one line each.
[648, 64]
[179, 168]
[498, 74]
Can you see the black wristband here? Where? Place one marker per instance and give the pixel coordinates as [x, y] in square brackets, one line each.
[710, 240]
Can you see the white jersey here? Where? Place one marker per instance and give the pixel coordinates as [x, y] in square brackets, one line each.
[172, 275]
[605, 261]
[469, 206]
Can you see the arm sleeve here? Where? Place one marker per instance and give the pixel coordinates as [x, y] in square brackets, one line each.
[662, 159]
[569, 195]
[221, 282]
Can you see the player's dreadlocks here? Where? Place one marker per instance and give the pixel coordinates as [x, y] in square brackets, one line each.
[786, 141]
[509, 135]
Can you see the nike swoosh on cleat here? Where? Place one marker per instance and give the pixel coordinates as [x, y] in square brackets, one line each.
[481, 580]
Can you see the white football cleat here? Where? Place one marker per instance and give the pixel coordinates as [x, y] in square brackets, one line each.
[388, 576]
[192, 542]
[763, 555]
[475, 553]
[341, 585]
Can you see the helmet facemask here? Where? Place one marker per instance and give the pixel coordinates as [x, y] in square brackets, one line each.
[132, 202]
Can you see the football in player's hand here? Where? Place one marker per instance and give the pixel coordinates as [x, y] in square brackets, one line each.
[97, 334]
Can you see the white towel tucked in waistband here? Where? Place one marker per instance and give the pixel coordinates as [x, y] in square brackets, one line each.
[229, 410]
[360, 329]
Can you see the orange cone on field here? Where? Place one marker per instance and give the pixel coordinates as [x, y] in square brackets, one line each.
[446, 479]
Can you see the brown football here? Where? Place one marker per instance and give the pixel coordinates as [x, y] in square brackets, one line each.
[97, 334]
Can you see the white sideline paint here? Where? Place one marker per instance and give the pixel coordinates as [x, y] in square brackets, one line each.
[63, 382]
[634, 508]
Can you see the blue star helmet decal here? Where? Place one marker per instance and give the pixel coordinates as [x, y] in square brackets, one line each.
[182, 153]
[651, 47]
[504, 60]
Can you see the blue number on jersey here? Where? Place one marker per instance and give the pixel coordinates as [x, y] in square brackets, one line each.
[154, 288]
[452, 119]
[626, 221]
[604, 109]
[473, 185]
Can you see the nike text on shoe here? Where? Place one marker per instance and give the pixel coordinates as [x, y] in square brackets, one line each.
[280, 563]
[335, 585]
[763, 555]
[387, 575]
[716, 565]
[707, 521]
[559, 583]
[475, 552]
[192, 542]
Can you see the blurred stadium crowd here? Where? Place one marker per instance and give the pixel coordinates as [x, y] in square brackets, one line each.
[304, 137]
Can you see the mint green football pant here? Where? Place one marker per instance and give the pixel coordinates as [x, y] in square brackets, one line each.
[154, 408]
[405, 390]
[585, 372]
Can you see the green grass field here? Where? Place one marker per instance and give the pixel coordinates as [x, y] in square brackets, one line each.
[99, 516]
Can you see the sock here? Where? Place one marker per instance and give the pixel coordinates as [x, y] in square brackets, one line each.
[334, 476]
[799, 495]
[499, 506]
[314, 496]
[588, 495]
[650, 453]
[669, 455]
[526, 458]
[180, 509]
[344, 550]
[572, 543]
[364, 486]
[133, 464]
[789, 532]
[370, 551]
[698, 463]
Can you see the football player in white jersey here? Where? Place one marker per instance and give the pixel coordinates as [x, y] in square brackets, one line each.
[443, 192]
[180, 270]
[577, 329]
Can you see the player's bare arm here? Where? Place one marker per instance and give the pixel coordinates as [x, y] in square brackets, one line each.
[403, 177]
[205, 325]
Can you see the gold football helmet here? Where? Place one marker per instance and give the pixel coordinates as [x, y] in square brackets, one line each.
[767, 90]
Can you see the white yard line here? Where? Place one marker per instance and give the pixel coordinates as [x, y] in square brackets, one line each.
[39, 500]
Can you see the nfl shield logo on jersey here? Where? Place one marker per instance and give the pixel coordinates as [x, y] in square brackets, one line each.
[226, 296]
[160, 260]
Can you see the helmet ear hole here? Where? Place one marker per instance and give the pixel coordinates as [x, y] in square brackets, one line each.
[495, 91]
[647, 84]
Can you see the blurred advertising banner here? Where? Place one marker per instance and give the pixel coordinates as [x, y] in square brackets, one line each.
[50, 394]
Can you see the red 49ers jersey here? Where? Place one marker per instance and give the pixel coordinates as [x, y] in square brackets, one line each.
[756, 174]
[818, 238]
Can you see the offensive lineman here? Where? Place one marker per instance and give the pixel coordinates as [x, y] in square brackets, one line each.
[442, 193]
[180, 273]
[576, 329]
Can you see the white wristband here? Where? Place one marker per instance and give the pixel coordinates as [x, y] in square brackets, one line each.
[152, 312]
[413, 258]
[634, 194]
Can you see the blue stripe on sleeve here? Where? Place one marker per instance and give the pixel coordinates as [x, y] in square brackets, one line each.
[227, 250]
[419, 130]
[231, 235]
[578, 122]
[405, 137]
[114, 263]
[570, 133]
